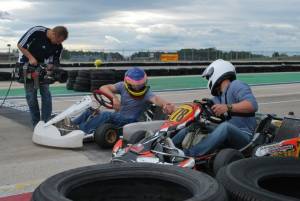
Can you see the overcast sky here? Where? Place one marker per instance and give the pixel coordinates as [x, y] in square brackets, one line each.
[256, 25]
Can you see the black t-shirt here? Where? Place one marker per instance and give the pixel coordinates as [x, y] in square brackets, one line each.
[36, 42]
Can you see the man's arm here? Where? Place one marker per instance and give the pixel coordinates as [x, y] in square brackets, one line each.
[27, 54]
[241, 107]
[26, 39]
[167, 107]
[111, 90]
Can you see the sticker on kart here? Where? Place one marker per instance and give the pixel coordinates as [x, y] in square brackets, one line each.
[181, 113]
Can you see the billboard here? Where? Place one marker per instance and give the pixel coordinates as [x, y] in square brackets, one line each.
[171, 57]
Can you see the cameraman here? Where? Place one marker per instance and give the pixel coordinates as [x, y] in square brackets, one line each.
[40, 45]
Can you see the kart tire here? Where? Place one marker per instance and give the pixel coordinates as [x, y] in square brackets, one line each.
[81, 87]
[263, 179]
[136, 137]
[72, 74]
[84, 74]
[106, 135]
[130, 182]
[225, 157]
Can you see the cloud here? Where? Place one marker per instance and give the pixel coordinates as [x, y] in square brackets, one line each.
[156, 24]
[4, 15]
[111, 39]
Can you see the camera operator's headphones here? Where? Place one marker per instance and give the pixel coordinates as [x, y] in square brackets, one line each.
[135, 81]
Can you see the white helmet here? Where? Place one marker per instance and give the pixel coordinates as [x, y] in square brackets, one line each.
[216, 72]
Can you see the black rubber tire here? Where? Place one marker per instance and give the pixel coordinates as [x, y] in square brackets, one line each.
[102, 75]
[102, 135]
[72, 74]
[130, 182]
[136, 137]
[262, 179]
[225, 157]
[70, 84]
[80, 87]
[84, 73]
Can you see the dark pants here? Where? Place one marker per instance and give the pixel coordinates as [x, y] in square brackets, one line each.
[226, 135]
[32, 101]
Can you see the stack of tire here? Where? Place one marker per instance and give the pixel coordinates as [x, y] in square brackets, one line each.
[82, 81]
[119, 75]
[262, 179]
[130, 182]
[72, 74]
[101, 77]
[4, 76]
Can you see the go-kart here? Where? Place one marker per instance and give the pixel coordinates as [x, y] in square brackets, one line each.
[286, 141]
[158, 147]
[58, 133]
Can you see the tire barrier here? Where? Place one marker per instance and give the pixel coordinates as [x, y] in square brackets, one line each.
[262, 179]
[82, 82]
[5, 76]
[101, 77]
[130, 182]
[71, 79]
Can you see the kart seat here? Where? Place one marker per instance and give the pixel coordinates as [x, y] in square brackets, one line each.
[290, 128]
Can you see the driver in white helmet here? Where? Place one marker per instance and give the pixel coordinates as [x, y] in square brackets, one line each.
[232, 98]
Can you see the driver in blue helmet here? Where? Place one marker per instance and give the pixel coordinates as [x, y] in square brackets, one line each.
[232, 98]
[135, 95]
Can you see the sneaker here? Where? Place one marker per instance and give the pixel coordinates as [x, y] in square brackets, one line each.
[178, 154]
[68, 124]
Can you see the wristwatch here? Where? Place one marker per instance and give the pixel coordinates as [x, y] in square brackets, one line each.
[229, 107]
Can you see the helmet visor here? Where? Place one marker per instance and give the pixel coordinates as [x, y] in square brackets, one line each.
[208, 73]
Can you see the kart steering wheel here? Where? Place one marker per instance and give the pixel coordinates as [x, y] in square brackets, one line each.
[103, 98]
[206, 105]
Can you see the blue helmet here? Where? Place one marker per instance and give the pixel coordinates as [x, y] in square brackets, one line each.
[135, 80]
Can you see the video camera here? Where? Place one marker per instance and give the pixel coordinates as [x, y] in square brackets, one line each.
[39, 74]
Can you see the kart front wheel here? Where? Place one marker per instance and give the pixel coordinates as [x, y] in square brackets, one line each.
[106, 135]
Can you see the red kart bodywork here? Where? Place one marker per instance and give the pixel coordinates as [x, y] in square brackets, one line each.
[183, 116]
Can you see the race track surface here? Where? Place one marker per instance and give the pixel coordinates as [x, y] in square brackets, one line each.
[23, 165]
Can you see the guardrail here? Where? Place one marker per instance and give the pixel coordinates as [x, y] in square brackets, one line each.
[169, 64]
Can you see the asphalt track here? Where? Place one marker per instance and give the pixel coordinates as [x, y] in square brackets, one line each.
[23, 165]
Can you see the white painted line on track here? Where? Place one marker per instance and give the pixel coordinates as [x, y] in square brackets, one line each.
[277, 102]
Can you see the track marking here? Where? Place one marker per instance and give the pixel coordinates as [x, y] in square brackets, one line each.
[277, 102]
[13, 189]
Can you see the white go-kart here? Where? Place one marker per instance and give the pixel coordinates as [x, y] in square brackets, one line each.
[57, 133]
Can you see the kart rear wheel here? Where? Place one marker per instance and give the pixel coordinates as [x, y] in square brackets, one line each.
[106, 135]
[263, 179]
[225, 157]
[130, 182]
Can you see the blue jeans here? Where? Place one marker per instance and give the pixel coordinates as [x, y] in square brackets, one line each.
[33, 104]
[88, 122]
[225, 135]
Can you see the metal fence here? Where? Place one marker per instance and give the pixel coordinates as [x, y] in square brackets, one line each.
[10, 55]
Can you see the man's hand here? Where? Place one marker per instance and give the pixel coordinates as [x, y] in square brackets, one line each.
[168, 108]
[33, 61]
[50, 67]
[116, 103]
[219, 109]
